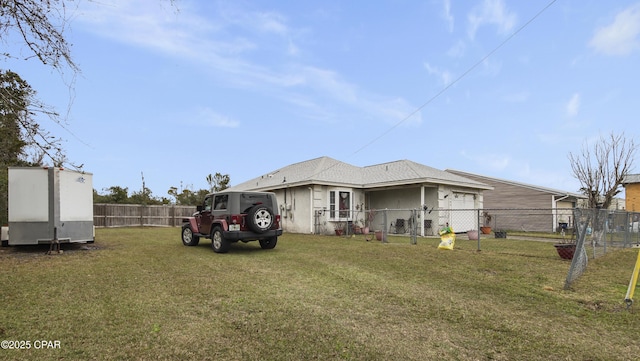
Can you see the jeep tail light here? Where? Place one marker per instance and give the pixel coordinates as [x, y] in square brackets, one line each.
[235, 219]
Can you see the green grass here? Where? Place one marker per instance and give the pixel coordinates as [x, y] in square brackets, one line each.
[138, 294]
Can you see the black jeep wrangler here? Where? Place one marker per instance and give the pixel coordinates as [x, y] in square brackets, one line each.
[227, 217]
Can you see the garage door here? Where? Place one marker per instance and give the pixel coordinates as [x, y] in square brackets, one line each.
[462, 216]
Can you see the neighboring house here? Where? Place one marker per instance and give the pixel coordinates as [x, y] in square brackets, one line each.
[318, 195]
[617, 204]
[514, 195]
[631, 184]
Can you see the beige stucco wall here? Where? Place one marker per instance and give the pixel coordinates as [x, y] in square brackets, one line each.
[299, 206]
[295, 209]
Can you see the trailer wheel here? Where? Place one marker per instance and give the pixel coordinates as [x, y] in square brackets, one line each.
[218, 243]
[269, 243]
[188, 238]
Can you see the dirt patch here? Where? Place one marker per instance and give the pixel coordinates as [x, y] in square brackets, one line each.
[43, 250]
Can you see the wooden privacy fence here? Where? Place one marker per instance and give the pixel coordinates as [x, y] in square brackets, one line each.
[126, 215]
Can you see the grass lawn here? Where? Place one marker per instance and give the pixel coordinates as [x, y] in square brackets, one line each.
[139, 294]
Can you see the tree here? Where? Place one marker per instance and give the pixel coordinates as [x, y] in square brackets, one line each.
[116, 194]
[218, 182]
[41, 25]
[14, 97]
[120, 195]
[145, 197]
[601, 168]
[188, 197]
[21, 134]
[18, 131]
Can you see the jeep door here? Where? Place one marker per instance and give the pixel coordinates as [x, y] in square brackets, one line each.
[204, 223]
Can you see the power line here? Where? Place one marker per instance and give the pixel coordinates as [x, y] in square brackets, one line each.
[456, 80]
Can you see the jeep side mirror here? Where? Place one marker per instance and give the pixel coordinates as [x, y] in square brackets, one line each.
[199, 208]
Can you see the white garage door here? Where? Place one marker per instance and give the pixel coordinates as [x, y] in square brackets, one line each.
[462, 216]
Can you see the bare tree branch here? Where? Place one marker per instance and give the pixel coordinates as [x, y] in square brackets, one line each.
[41, 25]
[602, 168]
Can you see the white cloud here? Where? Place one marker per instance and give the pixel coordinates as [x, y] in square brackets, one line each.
[620, 37]
[227, 45]
[444, 75]
[270, 22]
[208, 117]
[326, 84]
[457, 50]
[573, 106]
[491, 12]
[448, 18]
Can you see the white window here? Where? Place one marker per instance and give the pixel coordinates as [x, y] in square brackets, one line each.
[339, 204]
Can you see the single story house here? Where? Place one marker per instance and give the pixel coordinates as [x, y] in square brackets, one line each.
[323, 194]
[507, 196]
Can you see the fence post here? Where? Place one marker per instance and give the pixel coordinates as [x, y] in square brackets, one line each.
[384, 226]
[627, 227]
[478, 220]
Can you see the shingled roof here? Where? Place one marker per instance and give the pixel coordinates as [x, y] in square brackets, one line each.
[552, 191]
[329, 171]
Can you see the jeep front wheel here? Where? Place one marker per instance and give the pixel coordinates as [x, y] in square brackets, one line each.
[188, 238]
[218, 242]
[269, 243]
[260, 218]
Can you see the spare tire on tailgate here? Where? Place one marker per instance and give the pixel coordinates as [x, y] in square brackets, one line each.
[260, 218]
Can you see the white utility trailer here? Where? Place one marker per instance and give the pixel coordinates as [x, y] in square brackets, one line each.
[49, 205]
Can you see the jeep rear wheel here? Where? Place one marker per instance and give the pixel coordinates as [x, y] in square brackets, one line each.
[269, 243]
[218, 242]
[188, 238]
[260, 218]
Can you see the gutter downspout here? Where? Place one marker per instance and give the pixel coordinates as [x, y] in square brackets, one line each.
[311, 211]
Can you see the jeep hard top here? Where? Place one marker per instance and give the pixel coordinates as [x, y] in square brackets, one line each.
[233, 216]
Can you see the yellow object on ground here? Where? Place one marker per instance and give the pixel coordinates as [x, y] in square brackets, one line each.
[447, 238]
[632, 284]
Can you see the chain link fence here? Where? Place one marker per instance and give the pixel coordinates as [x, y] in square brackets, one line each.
[589, 233]
[597, 232]
[426, 222]
[413, 223]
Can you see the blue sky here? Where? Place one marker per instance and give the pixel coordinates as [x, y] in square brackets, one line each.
[246, 87]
